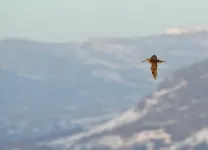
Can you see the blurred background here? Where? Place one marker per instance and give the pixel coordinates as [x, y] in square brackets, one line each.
[71, 76]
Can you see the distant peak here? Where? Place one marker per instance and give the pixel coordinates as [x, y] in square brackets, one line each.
[176, 31]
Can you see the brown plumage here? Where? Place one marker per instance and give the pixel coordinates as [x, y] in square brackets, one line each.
[153, 61]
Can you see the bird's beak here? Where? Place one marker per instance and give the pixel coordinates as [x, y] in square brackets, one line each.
[143, 60]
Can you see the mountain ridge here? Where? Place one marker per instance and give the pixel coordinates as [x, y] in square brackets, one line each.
[87, 83]
[167, 130]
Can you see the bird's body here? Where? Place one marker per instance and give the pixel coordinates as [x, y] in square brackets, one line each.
[153, 61]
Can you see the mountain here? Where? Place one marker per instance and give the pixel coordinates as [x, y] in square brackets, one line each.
[51, 88]
[42, 93]
[174, 117]
[23, 101]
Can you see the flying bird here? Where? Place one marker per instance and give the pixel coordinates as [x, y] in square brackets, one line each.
[154, 61]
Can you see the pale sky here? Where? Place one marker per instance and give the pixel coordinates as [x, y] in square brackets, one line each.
[65, 20]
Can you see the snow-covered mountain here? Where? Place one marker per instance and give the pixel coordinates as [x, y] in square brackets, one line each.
[53, 87]
[174, 117]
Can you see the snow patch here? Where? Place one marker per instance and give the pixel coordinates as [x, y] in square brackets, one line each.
[178, 31]
[89, 121]
[117, 142]
[178, 86]
[127, 117]
[195, 139]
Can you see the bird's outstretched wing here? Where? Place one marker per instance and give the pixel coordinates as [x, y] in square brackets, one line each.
[160, 61]
[154, 70]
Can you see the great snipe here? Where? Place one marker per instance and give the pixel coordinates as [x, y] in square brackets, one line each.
[153, 61]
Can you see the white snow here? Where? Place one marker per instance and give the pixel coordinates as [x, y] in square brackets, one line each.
[197, 138]
[177, 31]
[116, 142]
[127, 117]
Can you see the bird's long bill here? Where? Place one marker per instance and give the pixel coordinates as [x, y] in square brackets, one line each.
[143, 60]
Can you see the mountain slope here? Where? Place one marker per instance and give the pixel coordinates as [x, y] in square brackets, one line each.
[23, 100]
[83, 83]
[174, 117]
[35, 82]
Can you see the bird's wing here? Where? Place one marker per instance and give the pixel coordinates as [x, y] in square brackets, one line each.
[154, 70]
[160, 61]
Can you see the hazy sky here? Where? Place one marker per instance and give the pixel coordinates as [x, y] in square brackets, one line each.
[64, 20]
